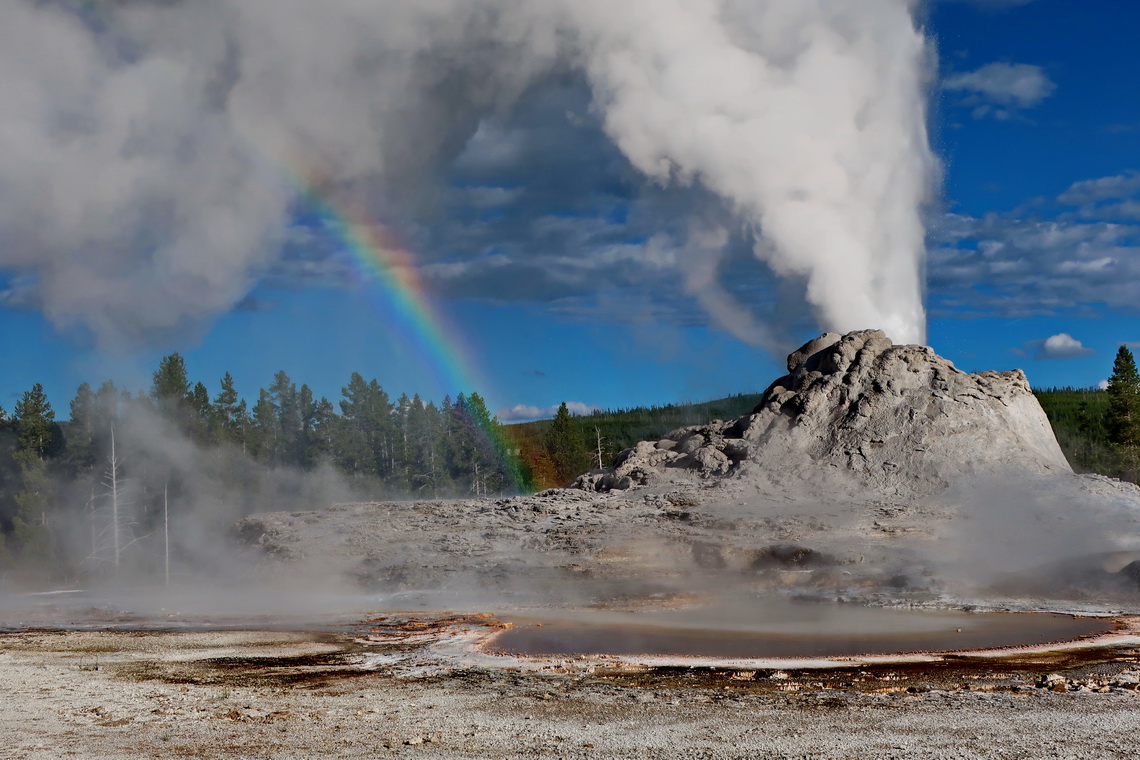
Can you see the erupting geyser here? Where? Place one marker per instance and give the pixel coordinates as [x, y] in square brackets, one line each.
[808, 119]
[166, 136]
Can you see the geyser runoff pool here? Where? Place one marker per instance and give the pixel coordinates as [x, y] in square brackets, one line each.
[777, 629]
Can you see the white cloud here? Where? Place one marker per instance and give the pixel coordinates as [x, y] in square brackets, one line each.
[1011, 267]
[524, 413]
[1125, 211]
[1000, 89]
[1059, 346]
[1101, 189]
[489, 197]
[1086, 267]
[1103, 385]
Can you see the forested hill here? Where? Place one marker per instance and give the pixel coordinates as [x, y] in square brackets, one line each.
[1078, 417]
[557, 450]
[1099, 430]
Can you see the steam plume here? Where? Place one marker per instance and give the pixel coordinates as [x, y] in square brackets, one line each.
[807, 118]
[144, 145]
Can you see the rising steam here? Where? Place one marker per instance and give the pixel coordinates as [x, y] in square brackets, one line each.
[146, 147]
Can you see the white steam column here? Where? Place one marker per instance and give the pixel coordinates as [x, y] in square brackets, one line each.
[808, 118]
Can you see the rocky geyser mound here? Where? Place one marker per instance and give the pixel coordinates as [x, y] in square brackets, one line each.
[859, 410]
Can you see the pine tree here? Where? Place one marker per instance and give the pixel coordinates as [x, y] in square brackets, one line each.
[382, 429]
[37, 433]
[266, 436]
[199, 415]
[367, 412]
[170, 380]
[1123, 418]
[419, 436]
[34, 501]
[565, 448]
[81, 430]
[321, 432]
[434, 434]
[401, 448]
[286, 402]
[33, 542]
[460, 446]
[306, 410]
[37, 438]
[350, 450]
[485, 473]
[170, 390]
[229, 414]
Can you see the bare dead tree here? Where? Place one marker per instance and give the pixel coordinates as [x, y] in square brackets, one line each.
[112, 480]
[598, 453]
[166, 528]
[475, 484]
[117, 536]
[91, 508]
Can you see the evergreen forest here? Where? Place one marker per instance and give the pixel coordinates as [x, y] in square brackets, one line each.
[1099, 429]
[119, 478]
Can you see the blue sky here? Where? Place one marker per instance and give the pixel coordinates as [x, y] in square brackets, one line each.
[540, 245]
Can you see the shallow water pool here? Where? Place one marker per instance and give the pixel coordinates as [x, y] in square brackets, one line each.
[781, 629]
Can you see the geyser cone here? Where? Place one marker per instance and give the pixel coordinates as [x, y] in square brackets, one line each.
[895, 419]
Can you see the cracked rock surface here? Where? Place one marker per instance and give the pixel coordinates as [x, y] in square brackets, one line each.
[889, 419]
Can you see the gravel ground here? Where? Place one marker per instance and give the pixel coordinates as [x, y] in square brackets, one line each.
[250, 694]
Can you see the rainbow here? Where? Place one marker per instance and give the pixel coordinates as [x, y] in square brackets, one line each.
[403, 300]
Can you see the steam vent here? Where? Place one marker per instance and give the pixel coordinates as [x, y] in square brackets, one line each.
[856, 410]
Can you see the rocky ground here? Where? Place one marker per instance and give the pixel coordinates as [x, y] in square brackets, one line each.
[676, 538]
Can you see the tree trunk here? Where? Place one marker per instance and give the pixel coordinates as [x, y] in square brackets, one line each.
[166, 528]
[115, 502]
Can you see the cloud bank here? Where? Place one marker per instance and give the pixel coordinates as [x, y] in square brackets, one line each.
[1069, 256]
[154, 152]
[1000, 90]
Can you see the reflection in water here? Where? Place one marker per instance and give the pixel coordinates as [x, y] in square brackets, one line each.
[782, 629]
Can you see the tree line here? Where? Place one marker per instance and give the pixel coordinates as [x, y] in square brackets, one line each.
[105, 478]
[557, 450]
[1099, 429]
